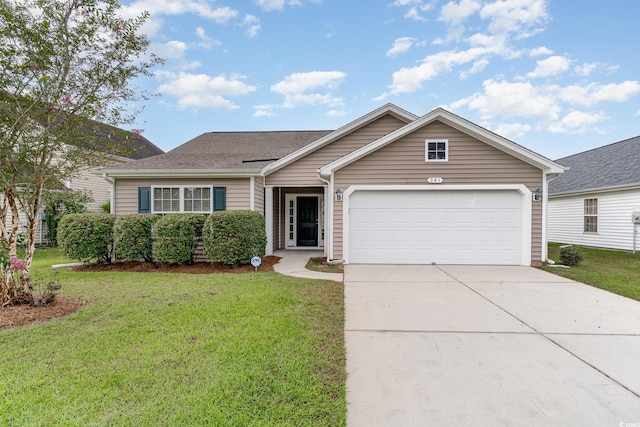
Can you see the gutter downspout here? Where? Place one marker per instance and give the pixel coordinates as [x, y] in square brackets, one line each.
[112, 195]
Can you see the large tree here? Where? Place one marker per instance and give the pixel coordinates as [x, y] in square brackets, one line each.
[65, 65]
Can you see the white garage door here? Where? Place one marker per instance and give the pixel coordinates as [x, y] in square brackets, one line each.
[442, 227]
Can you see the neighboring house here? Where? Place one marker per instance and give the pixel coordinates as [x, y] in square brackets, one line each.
[137, 147]
[389, 187]
[592, 202]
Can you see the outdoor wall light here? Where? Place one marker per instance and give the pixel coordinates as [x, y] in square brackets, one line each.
[338, 195]
[537, 195]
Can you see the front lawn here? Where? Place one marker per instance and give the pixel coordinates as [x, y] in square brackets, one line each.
[614, 271]
[155, 349]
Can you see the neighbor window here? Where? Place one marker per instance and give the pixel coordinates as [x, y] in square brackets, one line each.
[437, 150]
[188, 199]
[590, 215]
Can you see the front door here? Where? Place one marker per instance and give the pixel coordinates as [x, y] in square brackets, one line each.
[307, 228]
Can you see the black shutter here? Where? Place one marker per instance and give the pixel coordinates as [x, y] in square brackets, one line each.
[219, 198]
[144, 199]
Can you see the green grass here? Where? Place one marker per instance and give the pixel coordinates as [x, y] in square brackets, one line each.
[319, 264]
[153, 349]
[614, 271]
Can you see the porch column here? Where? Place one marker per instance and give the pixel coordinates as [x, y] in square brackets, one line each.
[268, 218]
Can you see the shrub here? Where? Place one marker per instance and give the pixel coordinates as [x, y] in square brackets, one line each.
[132, 238]
[86, 237]
[233, 237]
[175, 238]
[571, 255]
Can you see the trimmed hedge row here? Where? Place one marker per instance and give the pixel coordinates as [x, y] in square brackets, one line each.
[86, 236]
[132, 237]
[230, 237]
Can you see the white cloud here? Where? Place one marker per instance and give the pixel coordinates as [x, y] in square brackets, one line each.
[585, 69]
[477, 67]
[336, 113]
[540, 51]
[311, 88]
[616, 92]
[514, 16]
[269, 5]
[577, 122]
[206, 42]
[264, 110]
[456, 13]
[409, 79]
[551, 66]
[252, 25]
[173, 49]
[400, 45]
[415, 7]
[512, 99]
[201, 8]
[512, 130]
[201, 90]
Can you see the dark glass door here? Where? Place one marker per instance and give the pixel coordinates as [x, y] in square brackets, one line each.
[307, 229]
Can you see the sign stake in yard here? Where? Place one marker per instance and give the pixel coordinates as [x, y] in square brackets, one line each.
[256, 261]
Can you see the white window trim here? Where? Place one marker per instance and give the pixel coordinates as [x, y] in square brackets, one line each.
[446, 152]
[182, 187]
[597, 215]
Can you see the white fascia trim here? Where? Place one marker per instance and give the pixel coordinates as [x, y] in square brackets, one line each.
[339, 133]
[525, 240]
[177, 173]
[490, 138]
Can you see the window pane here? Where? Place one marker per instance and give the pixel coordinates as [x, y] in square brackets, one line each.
[441, 155]
[432, 146]
[188, 205]
[441, 146]
[188, 193]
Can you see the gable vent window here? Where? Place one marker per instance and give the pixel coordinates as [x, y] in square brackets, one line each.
[437, 150]
[590, 215]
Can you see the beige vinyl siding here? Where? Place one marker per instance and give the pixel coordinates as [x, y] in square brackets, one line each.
[258, 194]
[304, 171]
[97, 186]
[238, 191]
[470, 162]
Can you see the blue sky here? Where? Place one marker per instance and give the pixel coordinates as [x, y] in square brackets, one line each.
[555, 76]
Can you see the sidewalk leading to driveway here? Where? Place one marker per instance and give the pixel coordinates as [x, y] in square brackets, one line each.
[293, 262]
[476, 345]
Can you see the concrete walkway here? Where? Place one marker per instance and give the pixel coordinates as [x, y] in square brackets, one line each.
[487, 346]
[292, 263]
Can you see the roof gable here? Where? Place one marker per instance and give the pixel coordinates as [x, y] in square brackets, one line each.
[611, 166]
[340, 133]
[455, 122]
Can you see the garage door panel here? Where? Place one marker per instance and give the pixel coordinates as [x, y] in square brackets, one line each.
[446, 227]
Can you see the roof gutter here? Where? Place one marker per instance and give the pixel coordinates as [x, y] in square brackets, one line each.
[608, 189]
[178, 173]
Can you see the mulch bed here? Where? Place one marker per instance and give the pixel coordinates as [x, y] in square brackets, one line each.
[198, 268]
[25, 315]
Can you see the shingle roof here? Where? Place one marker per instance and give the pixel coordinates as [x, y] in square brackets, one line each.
[136, 146]
[613, 165]
[228, 151]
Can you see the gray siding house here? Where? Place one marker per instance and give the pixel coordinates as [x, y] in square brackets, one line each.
[388, 187]
[591, 203]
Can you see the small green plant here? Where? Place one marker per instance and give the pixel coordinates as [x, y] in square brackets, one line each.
[233, 237]
[57, 204]
[570, 255]
[106, 207]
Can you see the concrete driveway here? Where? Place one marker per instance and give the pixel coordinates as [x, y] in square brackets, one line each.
[487, 346]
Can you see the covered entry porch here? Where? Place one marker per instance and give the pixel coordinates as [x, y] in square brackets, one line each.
[295, 218]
